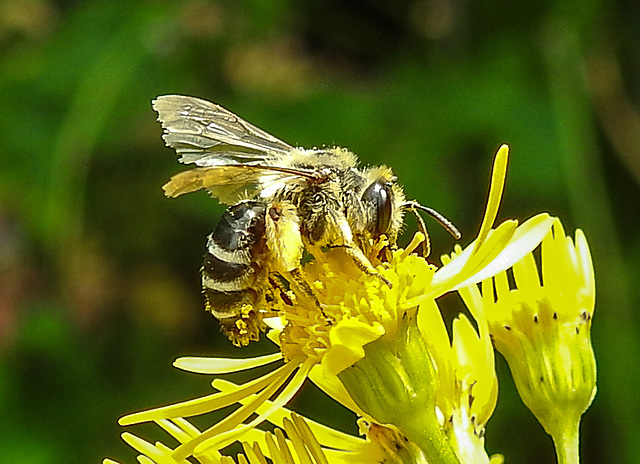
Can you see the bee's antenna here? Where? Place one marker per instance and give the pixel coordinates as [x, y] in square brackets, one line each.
[413, 206]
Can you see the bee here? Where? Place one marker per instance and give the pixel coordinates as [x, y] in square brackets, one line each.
[283, 201]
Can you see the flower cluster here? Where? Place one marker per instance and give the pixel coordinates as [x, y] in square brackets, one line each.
[423, 393]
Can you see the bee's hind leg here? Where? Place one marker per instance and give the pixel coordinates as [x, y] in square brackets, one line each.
[284, 240]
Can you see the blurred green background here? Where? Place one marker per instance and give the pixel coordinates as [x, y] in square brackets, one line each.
[99, 284]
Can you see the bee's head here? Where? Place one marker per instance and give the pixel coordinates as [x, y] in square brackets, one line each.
[384, 203]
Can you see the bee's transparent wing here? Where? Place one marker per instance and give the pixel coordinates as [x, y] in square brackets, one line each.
[233, 182]
[206, 134]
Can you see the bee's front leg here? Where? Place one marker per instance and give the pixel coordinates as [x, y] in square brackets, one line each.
[344, 239]
[364, 264]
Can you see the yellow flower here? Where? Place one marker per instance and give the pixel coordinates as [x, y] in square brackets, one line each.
[381, 351]
[543, 331]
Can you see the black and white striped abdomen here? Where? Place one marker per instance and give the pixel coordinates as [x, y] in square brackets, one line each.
[231, 273]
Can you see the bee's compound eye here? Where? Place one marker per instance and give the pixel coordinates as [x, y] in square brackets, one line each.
[378, 197]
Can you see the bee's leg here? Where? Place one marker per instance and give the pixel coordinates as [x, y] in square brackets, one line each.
[277, 285]
[301, 284]
[364, 264]
[345, 240]
[285, 242]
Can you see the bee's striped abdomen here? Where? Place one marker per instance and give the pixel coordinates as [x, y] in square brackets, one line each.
[231, 273]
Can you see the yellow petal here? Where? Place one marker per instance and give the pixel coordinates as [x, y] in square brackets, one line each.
[227, 431]
[586, 270]
[325, 435]
[347, 339]
[205, 365]
[525, 239]
[159, 454]
[212, 402]
[498, 176]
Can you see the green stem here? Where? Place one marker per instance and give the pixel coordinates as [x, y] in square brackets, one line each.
[429, 437]
[568, 444]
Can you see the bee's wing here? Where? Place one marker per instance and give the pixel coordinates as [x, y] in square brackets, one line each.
[234, 182]
[206, 134]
